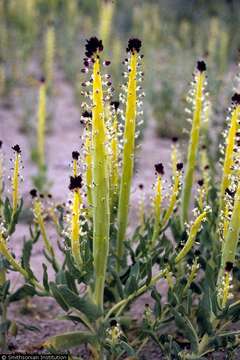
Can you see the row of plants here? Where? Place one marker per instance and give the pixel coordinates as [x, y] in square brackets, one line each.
[189, 240]
[174, 37]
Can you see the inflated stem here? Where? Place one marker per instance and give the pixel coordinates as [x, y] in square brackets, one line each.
[100, 190]
[192, 236]
[75, 244]
[105, 21]
[173, 198]
[232, 235]
[15, 182]
[128, 156]
[37, 209]
[41, 124]
[49, 55]
[157, 202]
[88, 161]
[229, 154]
[114, 175]
[193, 145]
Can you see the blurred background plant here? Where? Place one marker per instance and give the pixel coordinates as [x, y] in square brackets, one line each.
[175, 34]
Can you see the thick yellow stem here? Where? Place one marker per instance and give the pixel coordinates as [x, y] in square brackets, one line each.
[15, 183]
[41, 124]
[128, 156]
[75, 244]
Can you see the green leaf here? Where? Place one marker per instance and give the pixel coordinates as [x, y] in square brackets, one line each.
[185, 327]
[158, 307]
[69, 340]
[4, 289]
[22, 292]
[84, 305]
[132, 282]
[58, 296]
[45, 277]
[118, 283]
[128, 349]
[4, 326]
[7, 211]
[14, 218]
[204, 314]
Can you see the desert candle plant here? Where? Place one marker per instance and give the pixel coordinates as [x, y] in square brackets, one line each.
[229, 150]
[198, 98]
[114, 166]
[157, 202]
[100, 175]
[15, 178]
[134, 46]
[105, 20]
[195, 228]
[41, 124]
[50, 44]
[88, 160]
[75, 186]
[174, 193]
[232, 236]
[39, 219]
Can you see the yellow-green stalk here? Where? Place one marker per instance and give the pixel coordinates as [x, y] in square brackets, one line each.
[229, 151]
[114, 170]
[174, 157]
[134, 46]
[226, 286]
[232, 235]
[196, 226]
[4, 250]
[41, 124]
[6, 253]
[50, 43]
[88, 161]
[201, 195]
[15, 178]
[204, 165]
[105, 21]
[194, 139]
[213, 37]
[75, 186]
[174, 196]
[2, 79]
[39, 219]
[100, 189]
[192, 275]
[157, 202]
[141, 208]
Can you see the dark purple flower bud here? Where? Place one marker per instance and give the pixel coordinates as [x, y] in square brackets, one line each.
[228, 266]
[134, 45]
[179, 166]
[93, 46]
[17, 148]
[75, 182]
[159, 168]
[201, 66]
[75, 155]
[33, 193]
